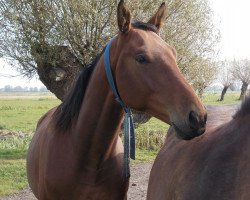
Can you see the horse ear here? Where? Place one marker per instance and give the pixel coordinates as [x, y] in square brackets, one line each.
[159, 17]
[123, 17]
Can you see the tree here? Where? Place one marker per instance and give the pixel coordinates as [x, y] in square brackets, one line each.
[225, 76]
[8, 88]
[17, 89]
[241, 71]
[43, 89]
[202, 74]
[194, 37]
[56, 39]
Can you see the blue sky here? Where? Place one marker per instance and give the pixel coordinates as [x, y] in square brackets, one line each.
[231, 17]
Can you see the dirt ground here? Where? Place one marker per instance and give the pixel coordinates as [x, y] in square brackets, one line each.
[137, 190]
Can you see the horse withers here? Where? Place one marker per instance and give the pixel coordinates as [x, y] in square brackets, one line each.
[215, 166]
[76, 152]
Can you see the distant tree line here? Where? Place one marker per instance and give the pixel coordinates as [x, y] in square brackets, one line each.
[9, 88]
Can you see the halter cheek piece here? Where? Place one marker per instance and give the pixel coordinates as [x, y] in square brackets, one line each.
[129, 133]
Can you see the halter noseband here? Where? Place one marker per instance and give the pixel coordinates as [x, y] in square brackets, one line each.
[129, 136]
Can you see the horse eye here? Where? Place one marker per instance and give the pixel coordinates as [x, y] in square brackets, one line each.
[140, 58]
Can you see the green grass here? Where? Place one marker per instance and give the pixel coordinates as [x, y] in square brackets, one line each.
[14, 147]
[23, 114]
[19, 113]
[13, 176]
[26, 95]
[212, 98]
[151, 135]
[13, 152]
[143, 155]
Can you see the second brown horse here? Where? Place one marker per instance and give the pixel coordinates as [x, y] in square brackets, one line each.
[215, 166]
[76, 152]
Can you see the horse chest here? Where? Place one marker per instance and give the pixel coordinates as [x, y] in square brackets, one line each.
[71, 182]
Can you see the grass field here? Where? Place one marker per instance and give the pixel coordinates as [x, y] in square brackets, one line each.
[19, 114]
[212, 98]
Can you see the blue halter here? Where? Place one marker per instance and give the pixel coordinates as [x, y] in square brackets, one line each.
[129, 134]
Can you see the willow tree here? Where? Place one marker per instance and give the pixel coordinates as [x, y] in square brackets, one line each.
[241, 72]
[225, 76]
[56, 39]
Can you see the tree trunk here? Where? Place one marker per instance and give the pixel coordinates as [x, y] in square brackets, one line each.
[224, 91]
[57, 68]
[243, 90]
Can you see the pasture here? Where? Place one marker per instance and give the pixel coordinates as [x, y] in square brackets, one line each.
[19, 113]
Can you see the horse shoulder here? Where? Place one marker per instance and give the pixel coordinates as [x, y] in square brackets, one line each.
[45, 116]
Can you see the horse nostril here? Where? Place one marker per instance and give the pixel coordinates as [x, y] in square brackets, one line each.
[194, 121]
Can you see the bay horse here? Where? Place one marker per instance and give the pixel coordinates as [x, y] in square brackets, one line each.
[214, 166]
[76, 152]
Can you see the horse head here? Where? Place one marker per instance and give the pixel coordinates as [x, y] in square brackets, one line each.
[148, 78]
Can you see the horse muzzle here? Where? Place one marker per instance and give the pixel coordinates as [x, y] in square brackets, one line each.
[194, 127]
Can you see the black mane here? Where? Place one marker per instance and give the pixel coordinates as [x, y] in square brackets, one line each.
[144, 26]
[69, 109]
[244, 109]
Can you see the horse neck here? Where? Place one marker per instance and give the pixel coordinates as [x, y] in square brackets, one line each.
[99, 120]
